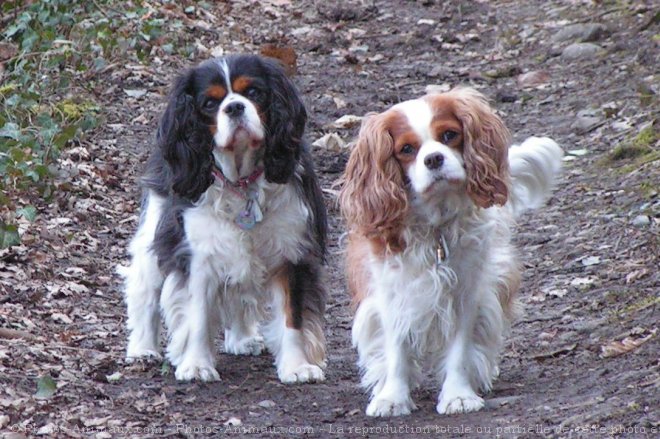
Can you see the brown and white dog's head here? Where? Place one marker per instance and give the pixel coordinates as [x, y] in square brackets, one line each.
[428, 150]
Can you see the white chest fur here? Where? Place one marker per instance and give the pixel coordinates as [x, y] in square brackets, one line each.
[428, 293]
[236, 254]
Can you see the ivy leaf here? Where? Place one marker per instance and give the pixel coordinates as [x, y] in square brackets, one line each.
[115, 377]
[8, 235]
[10, 130]
[27, 212]
[165, 368]
[65, 136]
[46, 387]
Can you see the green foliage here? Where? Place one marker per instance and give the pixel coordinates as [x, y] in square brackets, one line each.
[8, 235]
[640, 145]
[46, 387]
[63, 46]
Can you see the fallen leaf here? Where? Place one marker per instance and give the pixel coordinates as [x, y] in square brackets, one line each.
[339, 102]
[582, 281]
[46, 387]
[533, 79]
[7, 51]
[267, 404]
[331, 142]
[376, 58]
[555, 353]
[113, 378]
[47, 429]
[437, 88]
[537, 297]
[346, 121]
[76, 288]
[161, 400]
[137, 93]
[591, 260]
[548, 335]
[557, 292]
[635, 275]
[233, 422]
[95, 422]
[616, 348]
[12, 334]
[63, 318]
[285, 54]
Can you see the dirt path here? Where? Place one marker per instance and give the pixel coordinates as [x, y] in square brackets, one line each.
[582, 362]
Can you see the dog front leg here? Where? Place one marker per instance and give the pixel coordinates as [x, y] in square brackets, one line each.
[190, 309]
[392, 396]
[458, 395]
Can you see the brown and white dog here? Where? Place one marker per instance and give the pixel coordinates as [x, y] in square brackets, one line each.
[233, 226]
[430, 193]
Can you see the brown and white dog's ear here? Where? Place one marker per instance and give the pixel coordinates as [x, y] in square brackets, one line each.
[373, 199]
[485, 149]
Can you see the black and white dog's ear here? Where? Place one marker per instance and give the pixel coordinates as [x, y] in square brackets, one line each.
[285, 126]
[185, 145]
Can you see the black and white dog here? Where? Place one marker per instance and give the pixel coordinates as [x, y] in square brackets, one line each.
[233, 226]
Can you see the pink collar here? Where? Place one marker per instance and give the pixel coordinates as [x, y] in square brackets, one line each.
[242, 184]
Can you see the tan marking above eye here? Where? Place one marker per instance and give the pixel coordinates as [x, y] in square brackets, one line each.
[406, 139]
[240, 84]
[441, 128]
[216, 92]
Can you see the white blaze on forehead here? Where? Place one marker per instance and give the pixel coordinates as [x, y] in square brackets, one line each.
[225, 72]
[236, 138]
[419, 115]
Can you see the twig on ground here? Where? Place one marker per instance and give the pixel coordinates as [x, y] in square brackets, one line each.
[13, 334]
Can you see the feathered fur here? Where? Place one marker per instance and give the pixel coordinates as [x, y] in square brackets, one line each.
[230, 147]
[444, 297]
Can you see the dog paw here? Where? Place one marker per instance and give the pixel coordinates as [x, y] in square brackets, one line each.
[450, 404]
[142, 354]
[305, 373]
[385, 406]
[202, 371]
[247, 346]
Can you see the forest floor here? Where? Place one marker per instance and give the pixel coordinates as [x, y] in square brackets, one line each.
[583, 361]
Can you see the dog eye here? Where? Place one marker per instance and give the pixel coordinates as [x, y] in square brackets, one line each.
[252, 93]
[211, 104]
[407, 149]
[448, 136]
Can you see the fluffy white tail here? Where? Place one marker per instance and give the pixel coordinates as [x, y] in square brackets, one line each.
[534, 166]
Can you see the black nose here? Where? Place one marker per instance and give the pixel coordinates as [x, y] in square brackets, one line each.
[234, 109]
[434, 161]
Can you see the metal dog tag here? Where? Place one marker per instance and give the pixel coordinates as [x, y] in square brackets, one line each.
[245, 220]
[441, 252]
[251, 214]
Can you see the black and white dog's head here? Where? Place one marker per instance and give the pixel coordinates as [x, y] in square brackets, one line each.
[239, 114]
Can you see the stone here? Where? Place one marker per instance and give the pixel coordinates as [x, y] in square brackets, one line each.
[267, 404]
[584, 124]
[582, 32]
[641, 221]
[580, 51]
